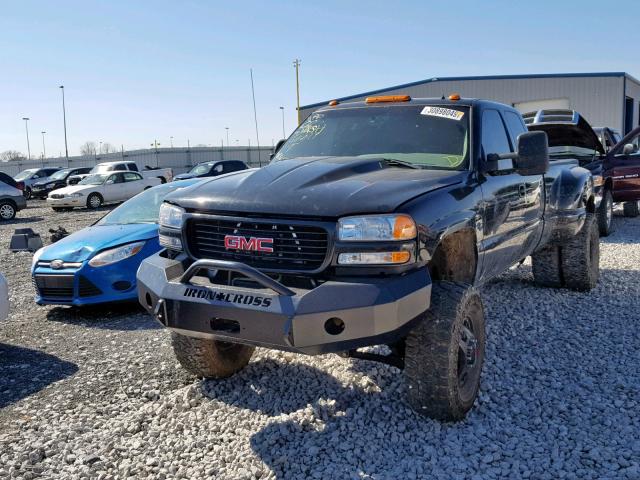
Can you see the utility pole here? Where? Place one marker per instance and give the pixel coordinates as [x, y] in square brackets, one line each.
[255, 116]
[26, 127]
[284, 135]
[227, 129]
[64, 119]
[296, 64]
[44, 150]
[155, 145]
[171, 138]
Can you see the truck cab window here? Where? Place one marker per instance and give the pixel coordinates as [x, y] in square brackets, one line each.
[494, 138]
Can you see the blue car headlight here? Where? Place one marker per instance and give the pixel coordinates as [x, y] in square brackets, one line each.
[117, 254]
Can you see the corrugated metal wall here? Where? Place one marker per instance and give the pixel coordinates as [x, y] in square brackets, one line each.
[633, 91]
[180, 160]
[599, 99]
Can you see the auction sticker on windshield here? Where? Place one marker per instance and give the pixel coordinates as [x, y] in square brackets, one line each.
[442, 112]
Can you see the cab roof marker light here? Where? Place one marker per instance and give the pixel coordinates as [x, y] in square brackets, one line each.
[333, 103]
[388, 98]
[454, 97]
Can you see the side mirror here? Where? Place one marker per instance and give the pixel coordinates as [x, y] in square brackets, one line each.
[277, 147]
[628, 149]
[533, 154]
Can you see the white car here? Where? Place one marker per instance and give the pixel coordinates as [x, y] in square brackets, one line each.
[4, 298]
[100, 188]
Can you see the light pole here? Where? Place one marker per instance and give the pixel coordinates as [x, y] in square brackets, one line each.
[26, 128]
[171, 138]
[284, 135]
[44, 150]
[64, 119]
[100, 148]
[296, 65]
[227, 129]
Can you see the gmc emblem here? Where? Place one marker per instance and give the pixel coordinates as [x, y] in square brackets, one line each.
[252, 244]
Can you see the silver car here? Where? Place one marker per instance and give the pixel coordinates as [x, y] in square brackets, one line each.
[11, 198]
[32, 175]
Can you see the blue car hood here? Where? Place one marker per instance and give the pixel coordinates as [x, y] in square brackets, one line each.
[82, 245]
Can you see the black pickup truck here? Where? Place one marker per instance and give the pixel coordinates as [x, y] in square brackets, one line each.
[372, 225]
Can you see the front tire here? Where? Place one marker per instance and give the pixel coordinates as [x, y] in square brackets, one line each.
[94, 201]
[210, 358]
[546, 267]
[581, 257]
[7, 211]
[444, 353]
[605, 214]
[631, 209]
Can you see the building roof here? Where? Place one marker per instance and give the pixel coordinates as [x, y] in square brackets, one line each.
[487, 77]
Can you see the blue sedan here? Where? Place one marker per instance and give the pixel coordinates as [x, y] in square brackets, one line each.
[98, 264]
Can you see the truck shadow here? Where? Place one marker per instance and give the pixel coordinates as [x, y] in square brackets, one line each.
[118, 316]
[24, 371]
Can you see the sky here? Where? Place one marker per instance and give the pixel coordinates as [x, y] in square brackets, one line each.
[139, 72]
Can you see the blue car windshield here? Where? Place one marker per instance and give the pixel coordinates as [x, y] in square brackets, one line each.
[143, 208]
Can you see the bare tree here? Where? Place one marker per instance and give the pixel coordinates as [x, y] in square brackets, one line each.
[106, 147]
[12, 156]
[88, 148]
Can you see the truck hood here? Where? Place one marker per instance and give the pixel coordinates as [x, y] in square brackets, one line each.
[315, 186]
[565, 134]
[82, 245]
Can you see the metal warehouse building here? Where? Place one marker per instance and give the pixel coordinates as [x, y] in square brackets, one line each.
[610, 99]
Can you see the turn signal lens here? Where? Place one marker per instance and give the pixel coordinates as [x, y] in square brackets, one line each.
[454, 97]
[374, 258]
[388, 98]
[404, 228]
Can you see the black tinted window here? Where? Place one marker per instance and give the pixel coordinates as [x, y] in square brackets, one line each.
[515, 125]
[494, 136]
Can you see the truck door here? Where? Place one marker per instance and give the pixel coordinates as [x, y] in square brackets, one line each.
[512, 204]
[622, 164]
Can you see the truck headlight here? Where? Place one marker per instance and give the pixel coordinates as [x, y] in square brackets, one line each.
[598, 180]
[170, 216]
[372, 228]
[169, 241]
[116, 254]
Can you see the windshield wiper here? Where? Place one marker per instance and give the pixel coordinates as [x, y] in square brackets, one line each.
[399, 163]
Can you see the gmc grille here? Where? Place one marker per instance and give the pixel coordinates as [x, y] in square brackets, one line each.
[295, 247]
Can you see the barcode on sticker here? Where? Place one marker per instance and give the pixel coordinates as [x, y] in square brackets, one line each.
[442, 112]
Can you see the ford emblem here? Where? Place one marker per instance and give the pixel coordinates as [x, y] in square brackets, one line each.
[57, 264]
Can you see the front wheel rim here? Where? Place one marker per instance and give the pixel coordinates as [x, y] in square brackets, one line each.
[95, 202]
[6, 212]
[469, 360]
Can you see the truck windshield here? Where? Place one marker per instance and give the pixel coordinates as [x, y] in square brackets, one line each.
[425, 136]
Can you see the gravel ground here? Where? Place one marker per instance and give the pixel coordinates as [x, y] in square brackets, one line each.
[98, 394]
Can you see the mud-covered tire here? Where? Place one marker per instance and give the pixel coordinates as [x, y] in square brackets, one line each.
[433, 349]
[94, 200]
[210, 358]
[605, 214]
[580, 257]
[546, 267]
[631, 209]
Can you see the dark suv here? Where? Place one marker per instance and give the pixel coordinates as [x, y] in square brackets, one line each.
[213, 169]
[57, 180]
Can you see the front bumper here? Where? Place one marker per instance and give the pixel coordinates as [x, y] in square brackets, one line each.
[67, 202]
[332, 317]
[39, 192]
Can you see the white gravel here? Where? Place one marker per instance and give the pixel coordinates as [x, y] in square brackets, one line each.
[98, 394]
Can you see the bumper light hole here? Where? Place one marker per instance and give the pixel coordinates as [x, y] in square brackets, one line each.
[334, 326]
[224, 325]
